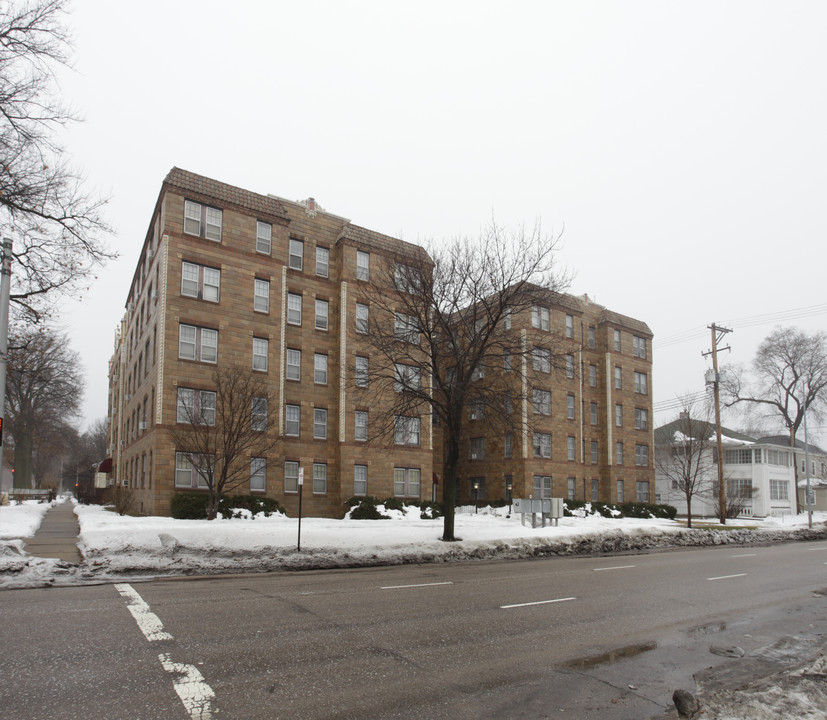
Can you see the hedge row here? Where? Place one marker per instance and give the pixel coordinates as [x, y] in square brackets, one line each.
[193, 506]
[627, 509]
[366, 508]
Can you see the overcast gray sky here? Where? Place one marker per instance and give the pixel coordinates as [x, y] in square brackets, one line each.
[681, 144]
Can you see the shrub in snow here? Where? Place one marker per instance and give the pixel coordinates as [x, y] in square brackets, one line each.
[581, 509]
[193, 506]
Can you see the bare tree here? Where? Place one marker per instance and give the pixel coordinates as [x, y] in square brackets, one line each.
[789, 377]
[442, 342]
[44, 385]
[225, 432]
[56, 226]
[685, 453]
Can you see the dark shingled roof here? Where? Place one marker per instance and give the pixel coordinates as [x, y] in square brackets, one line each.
[784, 440]
[229, 194]
[624, 321]
[665, 433]
[385, 243]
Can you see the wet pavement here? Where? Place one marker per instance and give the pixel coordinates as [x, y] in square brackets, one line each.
[57, 535]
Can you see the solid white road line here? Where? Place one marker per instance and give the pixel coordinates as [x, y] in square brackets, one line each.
[726, 577]
[616, 567]
[149, 623]
[538, 602]
[745, 555]
[397, 587]
[196, 695]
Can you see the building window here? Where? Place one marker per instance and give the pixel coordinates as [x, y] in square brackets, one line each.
[619, 453]
[594, 453]
[320, 369]
[478, 373]
[592, 338]
[291, 477]
[593, 375]
[294, 309]
[569, 326]
[291, 420]
[641, 419]
[570, 447]
[477, 410]
[620, 491]
[258, 475]
[406, 430]
[296, 255]
[319, 424]
[360, 479]
[595, 490]
[261, 297]
[361, 432]
[741, 456]
[196, 407]
[542, 486]
[362, 265]
[187, 467]
[508, 445]
[477, 487]
[258, 414]
[319, 478]
[618, 378]
[405, 328]
[539, 317]
[198, 218]
[641, 383]
[362, 372]
[507, 318]
[405, 378]
[593, 413]
[639, 347]
[406, 278]
[740, 487]
[570, 407]
[542, 402]
[619, 415]
[642, 455]
[569, 366]
[199, 281]
[294, 364]
[322, 308]
[406, 482]
[260, 351]
[264, 237]
[642, 490]
[507, 361]
[540, 359]
[477, 448]
[542, 445]
[197, 343]
[617, 340]
[572, 488]
[322, 261]
[361, 318]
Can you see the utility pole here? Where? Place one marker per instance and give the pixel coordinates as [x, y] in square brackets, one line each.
[718, 335]
[5, 290]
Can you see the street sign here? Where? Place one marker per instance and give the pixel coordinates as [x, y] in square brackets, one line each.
[301, 476]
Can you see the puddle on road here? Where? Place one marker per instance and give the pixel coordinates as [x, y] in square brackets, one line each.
[621, 653]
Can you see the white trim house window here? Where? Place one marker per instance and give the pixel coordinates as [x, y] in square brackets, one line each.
[258, 474]
[540, 317]
[642, 455]
[618, 378]
[322, 310]
[641, 419]
[570, 405]
[619, 453]
[641, 383]
[362, 371]
[319, 424]
[477, 448]
[617, 340]
[195, 407]
[294, 364]
[187, 466]
[779, 489]
[618, 415]
[292, 415]
[294, 309]
[295, 260]
[291, 476]
[320, 369]
[198, 218]
[362, 265]
[569, 366]
[361, 426]
[642, 491]
[261, 348]
[261, 296]
[595, 454]
[362, 316]
[264, 237]
[258, 414]
[197, 343]
[406, 482]
[542, 445]
[406, 430]
[540, 359]
[319, 478]
[571, 444]
[405, 378]
[405, 328]
[360, 480]
[569, 326]
[200, 281]
[639, 347]
[541, 401]
[322, 261]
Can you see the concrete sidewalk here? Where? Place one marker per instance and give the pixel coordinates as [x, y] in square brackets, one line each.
[57, 535]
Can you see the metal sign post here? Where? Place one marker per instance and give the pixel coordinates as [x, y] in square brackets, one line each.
[301, 485]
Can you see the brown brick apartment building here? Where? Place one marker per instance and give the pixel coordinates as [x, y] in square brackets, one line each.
[230, 276]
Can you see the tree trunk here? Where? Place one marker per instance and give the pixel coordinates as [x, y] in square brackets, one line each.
[212, 505]
[689, 510]
[449, 489]
[795, 467]
[23, 460]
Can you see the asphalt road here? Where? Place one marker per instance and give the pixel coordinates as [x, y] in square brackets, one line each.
[607, 637]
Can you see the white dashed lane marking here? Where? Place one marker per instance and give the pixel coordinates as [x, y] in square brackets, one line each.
[727, 577]
[398, 587]
[536, 602]
[616, 567]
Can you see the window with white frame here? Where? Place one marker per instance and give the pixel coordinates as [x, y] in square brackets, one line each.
[507, 362]
[322, 261]
[641, 419]
[362, 371]
[477, 409]
[569, 326]
[362, 265]
[361, 432]
[197, 343]
[261, 298]
[641, 383]
[508, 445]
[322, 309]
[594, 452]
[541, 359]
[539, 317]
[642, 491]
[572, 488]
[592, 337]
[507, 318]
[570, 407]
[319, 478]
[320, 369]
[740, 456]
[405, 378]
[642, 455]
[542, 486]
[200, 281]
[406, 278]
[360, 480]
[406, 482]
[571, 445]
[258, 414]
[202, 220]
[406, 430]
[478, 372]
[617, 340]
[477, 487]
[362, 314]
[620, 491]
[294, 309]
[319, 424]
[294, 364]
[593, 413]
[595, 490]
[618, 378]
[619, 453]
[196, 407]
[477, 448]
[264, 237]
[542, 445]
[569, 366]
[619, 415]
[291, 477]
[592, 375]
[260, 352]
[296, 254]
[258, 475]
[639, 347]
[191, 469]
[405, 328]
[291, 420]
[740, 487]
[542, 402]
